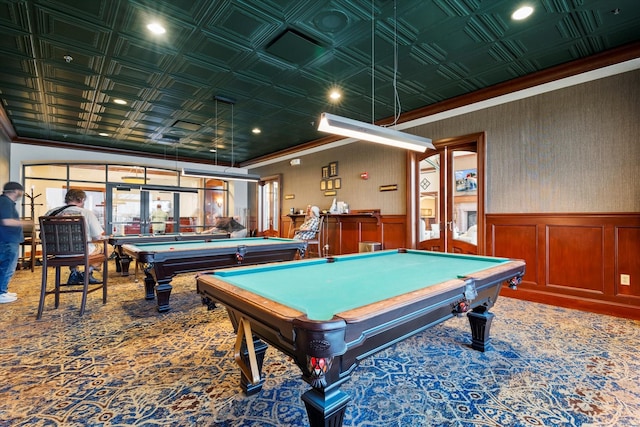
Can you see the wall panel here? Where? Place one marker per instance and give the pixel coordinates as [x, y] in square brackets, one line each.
[573, 260]
[517, 241]
[575, 257]
[628, 261]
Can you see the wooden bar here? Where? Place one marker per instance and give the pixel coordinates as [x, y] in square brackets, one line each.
[343, 232]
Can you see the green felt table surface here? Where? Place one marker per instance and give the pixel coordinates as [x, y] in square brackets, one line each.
[321, 289]
[203, 244]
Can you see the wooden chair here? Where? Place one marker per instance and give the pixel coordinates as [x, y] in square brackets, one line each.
[64, 243]
[316, 239]
[31, 241]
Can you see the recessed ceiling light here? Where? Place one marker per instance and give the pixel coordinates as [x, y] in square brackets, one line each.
[156, 28]
[256, 131]
[103, 134]
[335, 95]
[522, 13]
[120, 101]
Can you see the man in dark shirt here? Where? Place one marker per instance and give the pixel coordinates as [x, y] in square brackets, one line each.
[11, 236]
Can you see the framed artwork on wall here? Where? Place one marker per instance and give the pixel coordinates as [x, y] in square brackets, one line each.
[333, 169]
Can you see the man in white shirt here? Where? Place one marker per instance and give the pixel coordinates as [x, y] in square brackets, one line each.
[75, 206]
[159, 220]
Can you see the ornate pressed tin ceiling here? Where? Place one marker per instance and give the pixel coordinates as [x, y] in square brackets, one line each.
[270, 64]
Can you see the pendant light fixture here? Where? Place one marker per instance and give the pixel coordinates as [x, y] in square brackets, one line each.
[343, 126]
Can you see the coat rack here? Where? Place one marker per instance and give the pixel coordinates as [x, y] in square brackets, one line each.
[32, 202]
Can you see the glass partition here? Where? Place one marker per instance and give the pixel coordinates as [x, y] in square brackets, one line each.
[124, 197]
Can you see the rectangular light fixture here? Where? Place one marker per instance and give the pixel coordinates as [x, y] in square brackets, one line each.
[367, 132]
[225, 176]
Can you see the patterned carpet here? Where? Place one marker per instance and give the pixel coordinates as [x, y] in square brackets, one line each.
[124, 364]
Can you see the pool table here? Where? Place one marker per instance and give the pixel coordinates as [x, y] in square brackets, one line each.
[161, 261]
[123, 260]
[327, 314]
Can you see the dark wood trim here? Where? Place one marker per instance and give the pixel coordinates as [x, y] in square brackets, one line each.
[573, 259]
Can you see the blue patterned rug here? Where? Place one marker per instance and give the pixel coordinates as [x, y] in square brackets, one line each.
[124, 364]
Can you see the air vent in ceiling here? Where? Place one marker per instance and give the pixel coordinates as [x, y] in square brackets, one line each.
[295, 47]
[184, 125]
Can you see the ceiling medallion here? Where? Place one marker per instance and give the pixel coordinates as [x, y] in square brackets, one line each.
[331, 21]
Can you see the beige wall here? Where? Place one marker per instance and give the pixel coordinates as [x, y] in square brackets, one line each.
[385, 166]
[575, 149]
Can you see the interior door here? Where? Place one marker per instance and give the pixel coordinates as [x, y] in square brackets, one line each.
[450, 196]
[269, 206]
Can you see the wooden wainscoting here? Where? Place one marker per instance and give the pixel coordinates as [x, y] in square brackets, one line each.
[343, 233]
[573, 260]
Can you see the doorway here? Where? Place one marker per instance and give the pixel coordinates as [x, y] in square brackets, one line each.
[269, 206]
[130, 210]
[447, 204]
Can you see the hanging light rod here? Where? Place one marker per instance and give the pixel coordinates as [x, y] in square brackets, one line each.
[225, 176]
[367, 132]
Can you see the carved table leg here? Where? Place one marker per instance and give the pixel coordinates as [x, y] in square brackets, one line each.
[149, 283]
[325, 409]
[480, 321]
[163, 293]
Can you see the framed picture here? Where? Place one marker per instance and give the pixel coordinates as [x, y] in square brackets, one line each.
[466, 180]
[337, 183]
[323, 185]
[325, 172]
[330, 184]
[333, 169]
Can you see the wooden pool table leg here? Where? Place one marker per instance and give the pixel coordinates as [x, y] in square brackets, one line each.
[122, 261]
[480, 321]
[149, 282]
[325, 408]
[163, 293]
[260, 348]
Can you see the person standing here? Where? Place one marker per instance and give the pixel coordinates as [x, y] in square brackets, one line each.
[159, 220]
[74, 200]
[11, 236]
